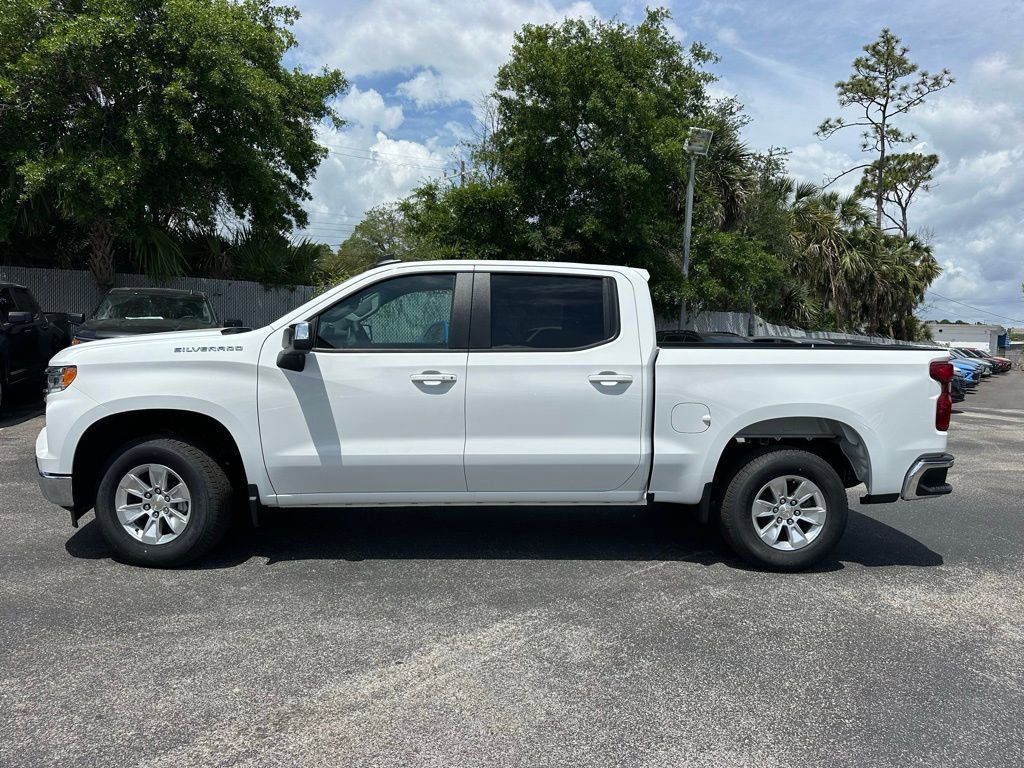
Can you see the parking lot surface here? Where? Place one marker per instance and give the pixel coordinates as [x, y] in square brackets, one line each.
[524, 637]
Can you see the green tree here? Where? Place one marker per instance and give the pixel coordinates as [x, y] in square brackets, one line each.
[905, 175]
[581, 158]
[884, 86]
[134, 120]
[382, 234]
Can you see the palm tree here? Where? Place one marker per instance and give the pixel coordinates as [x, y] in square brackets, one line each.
[824, 227]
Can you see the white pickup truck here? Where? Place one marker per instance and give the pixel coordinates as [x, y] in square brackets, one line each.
[486, 382]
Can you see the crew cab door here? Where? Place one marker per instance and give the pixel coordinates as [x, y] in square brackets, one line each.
[379, 408]
[555, 395]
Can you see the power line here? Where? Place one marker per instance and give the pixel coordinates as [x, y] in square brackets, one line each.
[375, 151]
[375, 159]
[976, 309]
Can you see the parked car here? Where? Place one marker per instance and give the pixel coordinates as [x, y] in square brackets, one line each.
[958, 388]
[28, 337]
[1001, 364]
[970, 373]
[984, 368]
[133, 311]
[487, 382]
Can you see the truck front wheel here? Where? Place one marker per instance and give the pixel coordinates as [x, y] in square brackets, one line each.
[163, 502]
[784, 509]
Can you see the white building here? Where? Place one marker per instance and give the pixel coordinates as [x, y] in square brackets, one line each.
[988, 338]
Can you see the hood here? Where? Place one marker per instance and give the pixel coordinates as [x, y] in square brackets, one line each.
[112, 329]
[154, 345]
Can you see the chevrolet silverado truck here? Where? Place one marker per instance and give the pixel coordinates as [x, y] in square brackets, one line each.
[486, 382]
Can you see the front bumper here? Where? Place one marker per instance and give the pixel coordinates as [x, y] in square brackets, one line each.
[57, 490]
[927, 477]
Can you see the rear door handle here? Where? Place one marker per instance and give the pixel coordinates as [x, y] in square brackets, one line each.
[610, 378]
[433, 378]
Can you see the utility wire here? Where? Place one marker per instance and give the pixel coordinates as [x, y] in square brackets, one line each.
[375, 159]
[976, 309]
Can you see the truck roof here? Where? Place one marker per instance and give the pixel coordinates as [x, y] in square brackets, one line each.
[498, 263]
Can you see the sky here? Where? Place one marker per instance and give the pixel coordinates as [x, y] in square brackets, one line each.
[418, 69]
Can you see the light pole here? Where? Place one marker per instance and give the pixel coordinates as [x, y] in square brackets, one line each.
[698, 140]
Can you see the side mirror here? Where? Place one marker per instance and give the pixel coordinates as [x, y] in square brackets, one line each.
[302, 337]
[233, 323]
[75, 318]
[19, 318]
[298, 340]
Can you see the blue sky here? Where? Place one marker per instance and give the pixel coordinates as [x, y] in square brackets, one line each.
[418, 70]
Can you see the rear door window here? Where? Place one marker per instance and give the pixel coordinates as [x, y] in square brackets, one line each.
[551, 312]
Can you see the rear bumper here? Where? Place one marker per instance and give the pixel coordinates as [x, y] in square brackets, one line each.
[57, 490]
[927, 477]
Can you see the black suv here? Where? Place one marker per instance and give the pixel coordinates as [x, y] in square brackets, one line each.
[131, 311]
[28, 337]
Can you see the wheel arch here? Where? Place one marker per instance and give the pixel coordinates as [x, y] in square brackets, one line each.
[100, 439]
[832, 437]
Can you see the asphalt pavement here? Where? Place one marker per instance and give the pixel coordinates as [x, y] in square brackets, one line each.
[524, 637]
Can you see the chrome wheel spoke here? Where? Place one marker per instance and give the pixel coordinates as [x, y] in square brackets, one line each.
[777, 487]
[178, 494]
[763, 508]
[797, 537]
[804, 492]
[175, 521]
[150, 530]
[813, 515]
[770, 533]
[158, 476]
[129, 513]
[133, 483]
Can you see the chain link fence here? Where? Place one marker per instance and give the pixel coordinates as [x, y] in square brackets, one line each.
[746, 324]
[66, 290]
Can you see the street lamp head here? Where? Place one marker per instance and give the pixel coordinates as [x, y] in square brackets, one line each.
[698, 141]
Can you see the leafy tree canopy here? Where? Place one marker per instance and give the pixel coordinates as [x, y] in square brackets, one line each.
[134, 119]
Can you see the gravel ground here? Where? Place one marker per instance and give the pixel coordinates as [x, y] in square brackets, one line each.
[524, 637]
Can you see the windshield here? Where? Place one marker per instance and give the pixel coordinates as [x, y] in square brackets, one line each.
[142, 306]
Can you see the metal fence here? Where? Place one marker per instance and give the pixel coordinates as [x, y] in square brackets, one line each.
[66, 290]
[745, 324]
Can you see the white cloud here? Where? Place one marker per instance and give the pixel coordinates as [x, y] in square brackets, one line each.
[367, 109]
[817, 163]
[451, 49]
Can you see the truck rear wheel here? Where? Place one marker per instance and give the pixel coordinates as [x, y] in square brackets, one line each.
[163, 503]
[784, 509]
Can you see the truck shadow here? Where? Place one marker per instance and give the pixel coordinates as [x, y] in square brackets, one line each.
[658, 533]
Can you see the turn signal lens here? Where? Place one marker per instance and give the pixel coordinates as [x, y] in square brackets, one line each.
[59, 377]
[75, 340]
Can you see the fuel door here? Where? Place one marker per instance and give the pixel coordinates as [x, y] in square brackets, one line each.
[690, 418]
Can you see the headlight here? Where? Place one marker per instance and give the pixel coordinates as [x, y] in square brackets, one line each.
[59, 377]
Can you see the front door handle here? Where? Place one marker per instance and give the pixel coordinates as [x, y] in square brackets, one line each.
[433, 378]
[610, 378]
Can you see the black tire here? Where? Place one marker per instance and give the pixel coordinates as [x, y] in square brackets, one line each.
[211, 506]
[737, 524]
